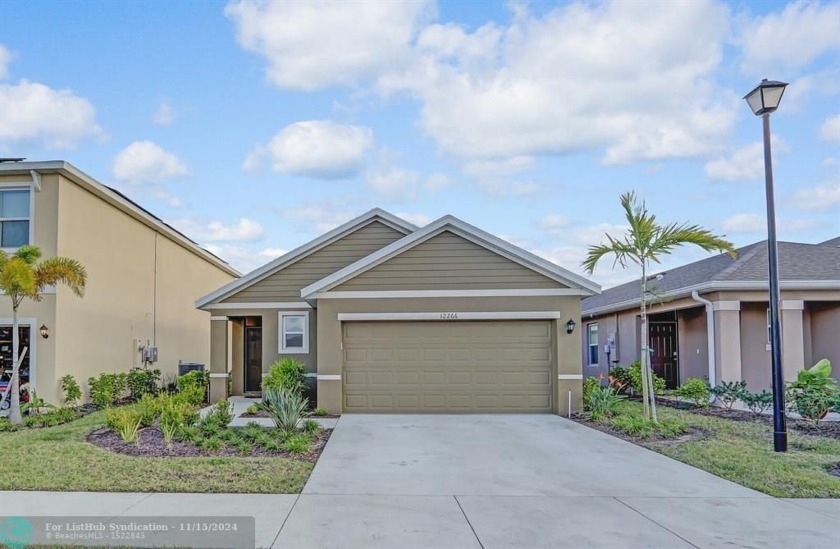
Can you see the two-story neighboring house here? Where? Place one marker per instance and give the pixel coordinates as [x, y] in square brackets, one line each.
[143, 279]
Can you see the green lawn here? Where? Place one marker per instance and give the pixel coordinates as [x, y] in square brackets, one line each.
[58, 458]
[743, 452]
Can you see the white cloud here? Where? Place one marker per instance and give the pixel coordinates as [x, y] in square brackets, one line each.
[830, 129]
[595, 234]
[790, 40]
[751, 223]
[243, 259]
[215, 231]
[820, 198]
[322, 217]
[830, 161]
[145, 162]
[5, 61]
[393, 182]
[633, 78]
[417, 218]
[745, 163]
[34, 113]
[164, 115]
[312, 45]
[554, 224]
[314, 148]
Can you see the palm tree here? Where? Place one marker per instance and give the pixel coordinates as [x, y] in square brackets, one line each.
[647, 241]
[23, 276]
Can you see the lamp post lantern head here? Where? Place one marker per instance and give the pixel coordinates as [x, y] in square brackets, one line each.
[765, 98]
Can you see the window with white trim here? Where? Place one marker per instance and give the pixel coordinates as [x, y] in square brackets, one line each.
[294, 332]
[592, 342]
[14, 217]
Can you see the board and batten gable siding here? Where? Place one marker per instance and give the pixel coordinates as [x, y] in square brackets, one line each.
[285, 285]
[448, 261]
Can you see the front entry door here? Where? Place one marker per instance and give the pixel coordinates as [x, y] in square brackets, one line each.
[253, 359]
[663, 357]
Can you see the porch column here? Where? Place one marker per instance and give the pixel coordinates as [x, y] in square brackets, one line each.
[567, 349]
[218, 358]
[793, 338]
[728, 340]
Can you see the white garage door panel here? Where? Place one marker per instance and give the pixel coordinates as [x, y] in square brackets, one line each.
[490, 366]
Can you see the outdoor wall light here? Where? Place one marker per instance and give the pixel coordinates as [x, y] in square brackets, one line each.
[45, 332]
[570, 326]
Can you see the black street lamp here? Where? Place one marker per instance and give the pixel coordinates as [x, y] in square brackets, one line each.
[763, 100]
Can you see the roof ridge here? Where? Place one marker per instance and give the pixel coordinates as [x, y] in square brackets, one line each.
[740, 261]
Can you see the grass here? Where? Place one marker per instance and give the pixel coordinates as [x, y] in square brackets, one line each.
[59, 458]
[742, 451]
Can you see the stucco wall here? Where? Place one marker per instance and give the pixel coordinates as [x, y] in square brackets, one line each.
[141, 288]
[755, 358]
[693, 344]
[825, 334]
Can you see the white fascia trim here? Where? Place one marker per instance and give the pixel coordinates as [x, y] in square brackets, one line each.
[308, 248]
[453, 316]
[212, 318]
[465, 230]
[217, 374]
[450, 293]
[569, 376]
[329, 377]
[264, 305]
[719, 286]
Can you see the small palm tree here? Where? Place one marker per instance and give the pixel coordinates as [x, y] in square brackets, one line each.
[22, 276]
[646, 241]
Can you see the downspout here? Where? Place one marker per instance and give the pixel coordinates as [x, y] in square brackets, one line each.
[710, 331]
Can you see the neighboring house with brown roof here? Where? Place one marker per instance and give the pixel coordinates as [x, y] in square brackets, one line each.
[388, 317]
[143, 279]
[718, 308]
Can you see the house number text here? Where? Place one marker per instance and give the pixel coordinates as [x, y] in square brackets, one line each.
[449, 316]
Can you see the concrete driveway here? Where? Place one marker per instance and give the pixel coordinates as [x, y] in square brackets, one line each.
[481, 481]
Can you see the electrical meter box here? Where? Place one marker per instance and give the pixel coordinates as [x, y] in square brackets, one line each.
[150, 354]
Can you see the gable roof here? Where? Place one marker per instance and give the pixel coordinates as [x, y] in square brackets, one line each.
[464, 230]
[802, 266]
[114, 198]
[304, 250]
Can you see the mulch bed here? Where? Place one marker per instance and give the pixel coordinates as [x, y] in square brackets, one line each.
[150, 443]
[694, 433]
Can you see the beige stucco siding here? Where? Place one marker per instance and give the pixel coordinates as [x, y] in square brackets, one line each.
[447, 261]
[825, 334]
[566, 348]
[286, 284]
[141, 288]
[693, 344]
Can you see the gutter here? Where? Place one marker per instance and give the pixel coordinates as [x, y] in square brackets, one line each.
[710, 337]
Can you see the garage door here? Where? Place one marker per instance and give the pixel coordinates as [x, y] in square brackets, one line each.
[490, 366]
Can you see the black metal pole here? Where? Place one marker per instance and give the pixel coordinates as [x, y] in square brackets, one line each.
[779, 428]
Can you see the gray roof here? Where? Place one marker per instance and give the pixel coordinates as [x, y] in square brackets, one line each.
[797, 262]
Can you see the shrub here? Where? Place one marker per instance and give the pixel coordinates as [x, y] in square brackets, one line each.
[620, 376]
[194, 379]
[168, 383]
[253, 409]
[286, 373]
[696, 391]
[71, 389]
[142, 381]
[311, 426]
[212, 444]
[296, 444]
[171, 419]
[815, 392]
[758, 403]
[220, 414]
[730, 392]
[188, 433]
[601, 402]
[125, 421]
[6, 425]
[148, 409]
[285, 407]
[107, 389]
[589, 385]
[36, 405]
[320, 411]
[634, 373]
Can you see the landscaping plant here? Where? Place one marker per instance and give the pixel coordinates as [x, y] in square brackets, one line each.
[601, 402]
[71, 389]
[311, 426]
[758, 403]
[815, 392]
[125, 420]
[646, 241]
[296, 444]
[730, 392]
[634, 372]
[696, 391]
[320, 411]
[107, 389]
[142, 381]
[286, 373]
[36, 405]
[22, 276]
[285, 407]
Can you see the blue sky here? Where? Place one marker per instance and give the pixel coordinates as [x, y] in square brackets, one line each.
[254, 127]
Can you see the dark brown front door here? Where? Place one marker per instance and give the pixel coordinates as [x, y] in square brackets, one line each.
[253, 359]
[663, 357]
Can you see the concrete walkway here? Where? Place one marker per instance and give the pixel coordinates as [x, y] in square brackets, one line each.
[486, 482]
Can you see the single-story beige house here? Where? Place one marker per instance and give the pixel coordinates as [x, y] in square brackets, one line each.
[709, 319]
[389, 317]
[143, 279]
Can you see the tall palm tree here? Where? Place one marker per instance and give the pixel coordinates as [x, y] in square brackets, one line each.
[646, 241]
[22, 276]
